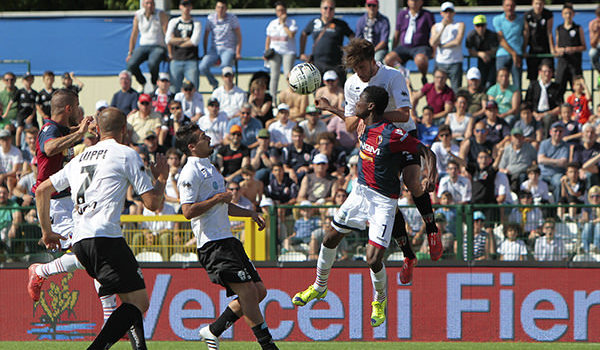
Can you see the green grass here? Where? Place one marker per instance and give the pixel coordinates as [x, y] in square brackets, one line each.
[229, 345]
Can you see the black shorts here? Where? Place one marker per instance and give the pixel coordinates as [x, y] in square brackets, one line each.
[226, 262]
[111, 262]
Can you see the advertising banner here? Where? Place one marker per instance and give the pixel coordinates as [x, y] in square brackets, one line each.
[442, 304]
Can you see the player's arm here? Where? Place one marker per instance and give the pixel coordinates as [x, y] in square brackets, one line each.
[234, 210]
[43, 194]
[57, 145]
[154, 198]
[351, 121]
[132, 38]
[400, 115]
[193, 210]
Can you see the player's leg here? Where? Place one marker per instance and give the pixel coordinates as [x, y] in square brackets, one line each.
[401, 236]
[38, 273]
[379, 280]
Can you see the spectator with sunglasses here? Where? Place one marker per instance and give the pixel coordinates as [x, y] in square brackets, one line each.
[192, 103]
[483, 43]
[140, 122]
[471, 147]
[250, 126]
[230, 96]
[374, 27]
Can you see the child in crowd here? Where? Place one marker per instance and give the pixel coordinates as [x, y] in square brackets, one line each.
[513, 248]
[250, 187]
[572, 191]
[528, 217]
[570, 43]
[303, 228]
[44, 96]
[579, 100]
[449, 212]
[537, 187]
[426, 130]
[70, 82]
[571, 134]
[532, 130]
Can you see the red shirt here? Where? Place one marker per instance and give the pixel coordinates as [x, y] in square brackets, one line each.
[437, 100]
[581, 110]
[48, 166]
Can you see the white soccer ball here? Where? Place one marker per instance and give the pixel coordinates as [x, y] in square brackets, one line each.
[305, 78]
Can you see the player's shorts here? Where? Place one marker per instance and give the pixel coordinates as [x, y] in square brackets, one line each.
[61, 217]
[226, 262]
[365, 204]
[111, 262]
[408, 53]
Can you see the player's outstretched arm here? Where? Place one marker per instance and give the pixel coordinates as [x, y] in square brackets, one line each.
[43, 194]
[351, 122]
[58, 145]
[234, 210]
[430, 165]
[400, 115]
[154, 198]
[193, 210]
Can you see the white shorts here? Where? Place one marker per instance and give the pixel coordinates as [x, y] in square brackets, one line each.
[362, 205]
[61, 217]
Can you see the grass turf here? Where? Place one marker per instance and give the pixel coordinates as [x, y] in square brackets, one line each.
[229, 345]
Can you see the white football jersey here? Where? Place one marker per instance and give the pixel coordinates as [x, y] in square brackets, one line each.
[200, 180]
[388, 78]
[99, 178]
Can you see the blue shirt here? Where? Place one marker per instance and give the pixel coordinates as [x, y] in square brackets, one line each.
[512, 32]
[249, 132]
[304, 228]
[554, 152]
[125, 101]
[427, 134]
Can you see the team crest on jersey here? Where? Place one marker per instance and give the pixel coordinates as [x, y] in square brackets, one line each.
[379, 139]
[243, 275]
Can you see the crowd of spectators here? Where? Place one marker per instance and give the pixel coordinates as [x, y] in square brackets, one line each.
[498, 140]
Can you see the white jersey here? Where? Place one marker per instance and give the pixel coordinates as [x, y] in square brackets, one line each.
[388, 78]
[200, 180]
[99, 178]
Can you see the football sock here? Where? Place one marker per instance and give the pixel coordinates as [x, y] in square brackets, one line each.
[423, 204]
[379, 281]
[401, 236]
[136, 335]
[324, 263]
[66, 263]
[263, 336]
[117, 324]
[109, 302]
[225, 320]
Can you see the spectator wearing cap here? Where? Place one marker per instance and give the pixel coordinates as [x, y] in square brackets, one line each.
[552, 158]
[498, 128]
[318, 186]
[483, 44]
[250, 126]
[457, 185]
[233, 156]
[225, 41]
[540, 41]
[71, 82]
[281, 129]
[411, 38]
[332, 91]
[511, 29]
[297, 155]
[214, 124]
[514, 159]
[126, 98]
[474, 92]
[352, 177]
[280, 45]
[446, 40]
[295, 101]
[230, 96]
[507, 96]
[100, 106]
[151, 146]
[374, 27]
[7, 97]
[483, 243]
[151, 25]
[162, 96]
[438, 95]
[192, 102]
[313, 125]
[182, 38]
[263, 156]
[545, 97]
[11, 160]
[471, 147]
[532, 130]
[143, 120]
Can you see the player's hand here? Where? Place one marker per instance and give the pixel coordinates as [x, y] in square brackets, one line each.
[260, 221]
[323, 103]
[51, 240]
[160, 167]
[430, 165]
[304, 58]
[85, 125]
[360, 128]
[224, 197]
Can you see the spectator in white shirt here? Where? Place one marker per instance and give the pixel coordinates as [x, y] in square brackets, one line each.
[281, 130]
[230, 96]
[513, 248]
[11, 160]
[280, 46]
[214, 124]
[536, 186]
[459, 186]
[192, 102]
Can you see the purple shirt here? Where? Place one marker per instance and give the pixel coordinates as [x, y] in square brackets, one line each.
[425, 21]
[380, 31]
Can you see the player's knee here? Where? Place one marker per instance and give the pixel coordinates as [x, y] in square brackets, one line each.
[261, 290]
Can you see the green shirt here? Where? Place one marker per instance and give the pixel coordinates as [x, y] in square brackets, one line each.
[5, 97]
[503, 98]
[6, 213]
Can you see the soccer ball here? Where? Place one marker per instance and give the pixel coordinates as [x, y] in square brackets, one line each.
[305, 78]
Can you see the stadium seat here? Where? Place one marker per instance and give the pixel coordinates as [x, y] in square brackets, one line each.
[182, 257]
[292, 256]
[149, 257]
[396, 256]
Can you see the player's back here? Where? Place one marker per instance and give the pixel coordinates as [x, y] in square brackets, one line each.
[99, 178]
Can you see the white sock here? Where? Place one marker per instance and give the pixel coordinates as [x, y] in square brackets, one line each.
[324, 263]
[66, 263]
[109, 302]
[379, 281]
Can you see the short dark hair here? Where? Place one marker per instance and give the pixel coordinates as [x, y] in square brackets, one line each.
[173, 152]
[575, 165]
[526, 106]
[62, 98]
[546, 62]
[32, 130]
[298, 129]
[11, 74]
[185, 136]
[534, 169]
[452, 161]
[377, 95]
[279, 3]
[48, 73]
[358, 50]
[569, 6]
[428, 108]
[444, 127]
[224, 2]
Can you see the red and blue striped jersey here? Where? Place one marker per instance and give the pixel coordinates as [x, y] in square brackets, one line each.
[381, 148]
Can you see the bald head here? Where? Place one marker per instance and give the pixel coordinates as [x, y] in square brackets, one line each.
[111, 121]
